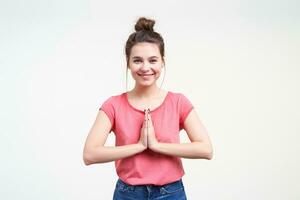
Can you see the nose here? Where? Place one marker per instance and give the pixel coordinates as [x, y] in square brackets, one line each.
[145, 68]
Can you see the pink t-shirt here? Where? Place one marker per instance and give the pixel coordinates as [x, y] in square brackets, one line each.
[148, 167]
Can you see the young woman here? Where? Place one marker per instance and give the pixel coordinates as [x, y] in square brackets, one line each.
[146, 122]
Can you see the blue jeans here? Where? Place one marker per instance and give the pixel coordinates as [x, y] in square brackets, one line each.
[170, 191]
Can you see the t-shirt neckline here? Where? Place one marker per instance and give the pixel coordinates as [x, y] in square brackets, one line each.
[134, 108]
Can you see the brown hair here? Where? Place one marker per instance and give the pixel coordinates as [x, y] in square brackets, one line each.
[144, 32]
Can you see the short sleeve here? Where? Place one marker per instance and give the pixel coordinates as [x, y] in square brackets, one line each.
[185, 107]
[108, 108]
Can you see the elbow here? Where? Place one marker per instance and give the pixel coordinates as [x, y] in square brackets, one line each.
[92, 156]
[206, 152]
[87, 162]
[209, 155]
[87, 159]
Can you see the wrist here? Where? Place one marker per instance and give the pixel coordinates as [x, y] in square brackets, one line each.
[141, 147]
[155, 147]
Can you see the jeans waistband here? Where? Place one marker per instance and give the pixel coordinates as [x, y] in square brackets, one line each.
[172, 183]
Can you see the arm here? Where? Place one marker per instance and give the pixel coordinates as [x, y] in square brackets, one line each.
[94, 149]
[191, 150]
[200, 146]
[102, 154]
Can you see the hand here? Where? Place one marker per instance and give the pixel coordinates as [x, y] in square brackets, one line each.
[151, 138]
[143, 133]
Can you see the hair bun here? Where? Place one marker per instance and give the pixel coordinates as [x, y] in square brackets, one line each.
[144, 24]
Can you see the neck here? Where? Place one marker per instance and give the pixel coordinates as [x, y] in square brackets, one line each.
[146, 92]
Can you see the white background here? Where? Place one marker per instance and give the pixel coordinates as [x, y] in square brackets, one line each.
[237, 61]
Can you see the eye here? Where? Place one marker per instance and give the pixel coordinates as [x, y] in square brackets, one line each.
[135, 61]
[153, 60]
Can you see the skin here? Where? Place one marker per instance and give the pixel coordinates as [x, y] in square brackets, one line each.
[145, 58]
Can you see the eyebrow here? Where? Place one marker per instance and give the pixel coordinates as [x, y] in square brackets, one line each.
[141, 57]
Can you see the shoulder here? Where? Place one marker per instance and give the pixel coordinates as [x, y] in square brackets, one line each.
[181, 100]
[178, 96]
[113, 101]
[114, 98]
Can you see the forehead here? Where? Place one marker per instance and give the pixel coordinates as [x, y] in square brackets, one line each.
[145, 49]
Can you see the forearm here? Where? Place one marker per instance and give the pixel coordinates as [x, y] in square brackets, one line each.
[191, 150]
[104, 154]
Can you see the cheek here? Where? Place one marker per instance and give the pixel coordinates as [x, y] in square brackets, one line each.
[134, 70]
[157, 71]
[134, 74]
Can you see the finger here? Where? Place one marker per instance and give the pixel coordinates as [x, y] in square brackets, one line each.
[147, 114]
[145, 119]
[149, 118]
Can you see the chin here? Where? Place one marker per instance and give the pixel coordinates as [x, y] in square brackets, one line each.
[146, 84]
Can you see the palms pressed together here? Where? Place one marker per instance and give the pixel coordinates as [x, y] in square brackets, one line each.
[147, 137]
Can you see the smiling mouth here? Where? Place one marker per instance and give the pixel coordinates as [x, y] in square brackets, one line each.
[145, 74]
